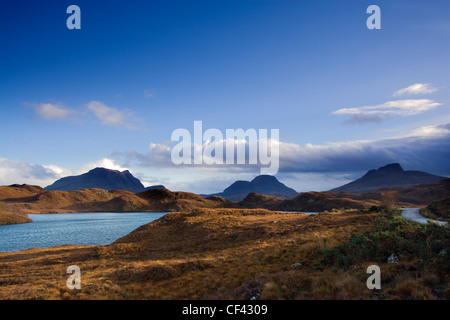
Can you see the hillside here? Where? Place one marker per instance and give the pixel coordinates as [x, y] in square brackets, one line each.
[391, 175]
[243, 254]
[264, 184]
[19, 191]
[305, 202]
[11, 218]
[20, 199]
[200, 254]
[418, 195]
[438, 210]
[58, 201]
[26, 199]
[99, 178]
[160, 186]
[414, 196]
[320, 201]
[260, 201]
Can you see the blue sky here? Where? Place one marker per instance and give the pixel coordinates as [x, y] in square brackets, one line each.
[137, 70]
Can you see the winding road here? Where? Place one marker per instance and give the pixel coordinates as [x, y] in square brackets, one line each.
[413, 214]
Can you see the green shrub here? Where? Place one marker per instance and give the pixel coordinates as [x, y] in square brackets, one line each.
[392, 234]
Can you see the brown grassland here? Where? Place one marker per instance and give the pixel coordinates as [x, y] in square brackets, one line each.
[26, 199]
[438, 210]
[12, 218]
[7, 217]
[244, 254]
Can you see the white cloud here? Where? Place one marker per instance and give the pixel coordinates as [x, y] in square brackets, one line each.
[388, 109]
[102, 163]
[49, 111]
[414, 89]
[431, 131]
[58, 171]
[19, 172]
[427, 147]
[110, 116]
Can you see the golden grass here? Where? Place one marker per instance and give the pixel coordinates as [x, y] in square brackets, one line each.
[12, 218]
[7, 217]
[26, 199]
[213, 254]
[201, 254]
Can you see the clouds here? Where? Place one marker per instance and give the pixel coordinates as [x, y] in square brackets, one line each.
[303, 167]
[102, 163]
[49, 111]
[415, 89]
[389, 109]
[307, 167]
[111, 116]
[20, 172]
[108, 116]
[404, 108]
[426, 148]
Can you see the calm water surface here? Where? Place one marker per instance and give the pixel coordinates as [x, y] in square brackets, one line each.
[49, 230]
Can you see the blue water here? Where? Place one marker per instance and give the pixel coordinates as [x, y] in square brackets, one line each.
[49, 230]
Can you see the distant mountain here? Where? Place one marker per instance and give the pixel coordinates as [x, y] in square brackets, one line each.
[391, 175]
[155, 187]
[100, 178]
[264, 184]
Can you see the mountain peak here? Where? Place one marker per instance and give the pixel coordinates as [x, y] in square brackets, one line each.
[101, 169]
[391, 175]
[265, 178]
[392, 167]
[263, 184]
[101, 178]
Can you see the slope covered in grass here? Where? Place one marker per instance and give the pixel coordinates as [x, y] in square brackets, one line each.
[244, 254]
[12, 218]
